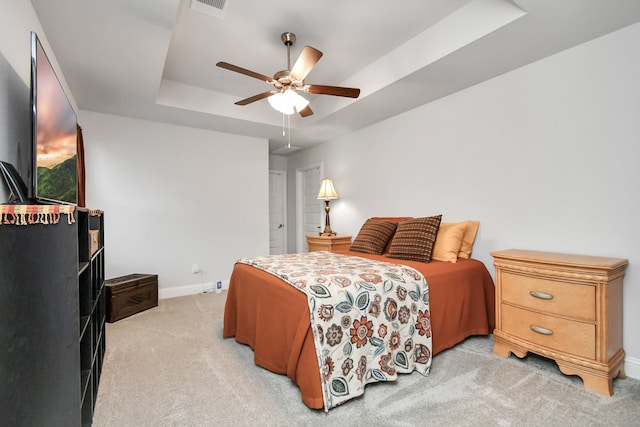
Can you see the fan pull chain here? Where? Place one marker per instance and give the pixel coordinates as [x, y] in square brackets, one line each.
[289, 124]
[288, 134]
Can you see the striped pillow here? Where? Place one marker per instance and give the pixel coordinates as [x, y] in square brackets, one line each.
[415, 238]
[373, 236]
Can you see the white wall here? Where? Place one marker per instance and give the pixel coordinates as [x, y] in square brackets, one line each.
[546, 157]
[277, 162]
[175, 196]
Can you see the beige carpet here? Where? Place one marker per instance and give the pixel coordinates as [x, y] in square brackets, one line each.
[169, 366]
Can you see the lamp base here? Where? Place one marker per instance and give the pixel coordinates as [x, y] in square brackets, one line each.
[327, 222]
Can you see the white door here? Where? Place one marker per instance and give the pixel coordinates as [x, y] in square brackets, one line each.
[277, 212]
[309, 210]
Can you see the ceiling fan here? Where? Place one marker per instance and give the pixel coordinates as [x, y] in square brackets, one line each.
[287, 82]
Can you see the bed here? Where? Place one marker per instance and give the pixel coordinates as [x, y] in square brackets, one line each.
[273, 317]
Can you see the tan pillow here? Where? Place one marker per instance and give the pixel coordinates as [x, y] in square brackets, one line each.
[373, 236]
[470, 232]
[414, 239]
[448, 241]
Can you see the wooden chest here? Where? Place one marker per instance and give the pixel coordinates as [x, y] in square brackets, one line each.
[130, 294]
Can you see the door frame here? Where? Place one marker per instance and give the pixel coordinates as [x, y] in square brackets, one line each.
[300, 237]
[284, 208]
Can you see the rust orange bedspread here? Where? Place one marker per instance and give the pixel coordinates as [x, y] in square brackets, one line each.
[272, 317]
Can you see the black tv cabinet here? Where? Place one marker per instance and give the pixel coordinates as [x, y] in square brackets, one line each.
[52, 320]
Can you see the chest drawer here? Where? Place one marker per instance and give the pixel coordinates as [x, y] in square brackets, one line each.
[550, 296]
[555, 333]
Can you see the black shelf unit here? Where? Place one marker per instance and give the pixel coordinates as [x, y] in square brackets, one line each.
[92, 303]
[52, 320]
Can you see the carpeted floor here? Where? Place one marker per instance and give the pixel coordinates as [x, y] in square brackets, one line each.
[169, 366]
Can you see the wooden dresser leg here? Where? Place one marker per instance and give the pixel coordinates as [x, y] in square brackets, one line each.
[598, 384]
[504, 348]
[501, 350]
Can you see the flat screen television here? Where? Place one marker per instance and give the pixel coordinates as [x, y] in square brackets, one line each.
[54, 131]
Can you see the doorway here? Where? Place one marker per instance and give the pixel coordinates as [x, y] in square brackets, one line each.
[309, 209]
[277, 212]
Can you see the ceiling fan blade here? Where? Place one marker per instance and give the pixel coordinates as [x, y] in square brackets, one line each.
[348, 92]
[257, 97]
[305, 112]
[305, 62]
[244, 71]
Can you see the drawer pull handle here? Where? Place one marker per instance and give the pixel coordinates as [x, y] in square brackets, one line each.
[540, 330]
[540, 295]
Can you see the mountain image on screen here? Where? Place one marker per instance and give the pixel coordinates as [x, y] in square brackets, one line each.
[59, 182]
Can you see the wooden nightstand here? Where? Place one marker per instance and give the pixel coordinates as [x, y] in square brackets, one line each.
[328, 243]
[564, 307]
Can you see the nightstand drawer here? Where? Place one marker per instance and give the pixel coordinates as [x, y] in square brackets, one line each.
[551, 332]
[328, 243]
[550, 296]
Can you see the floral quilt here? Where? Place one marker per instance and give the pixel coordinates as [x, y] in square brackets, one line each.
[370, 319]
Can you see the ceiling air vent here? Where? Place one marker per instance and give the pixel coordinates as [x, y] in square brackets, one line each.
[213, 8]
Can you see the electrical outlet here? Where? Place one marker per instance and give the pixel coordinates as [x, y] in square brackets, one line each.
[195, 269]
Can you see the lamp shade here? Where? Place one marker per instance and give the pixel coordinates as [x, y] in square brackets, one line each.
[327, 190]
[286, 100]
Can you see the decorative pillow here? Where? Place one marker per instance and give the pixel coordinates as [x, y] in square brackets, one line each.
[448, 241]
[414, 239]
[470, 232]
[373, 236]
[394, 219]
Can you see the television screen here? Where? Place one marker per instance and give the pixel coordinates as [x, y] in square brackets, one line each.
[54, 132]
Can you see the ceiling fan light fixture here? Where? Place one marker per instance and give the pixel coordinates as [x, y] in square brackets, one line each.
[286, 83]
[288, 101]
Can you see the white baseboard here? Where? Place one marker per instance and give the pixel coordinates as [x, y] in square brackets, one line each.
[180, 291]
[632, 367]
